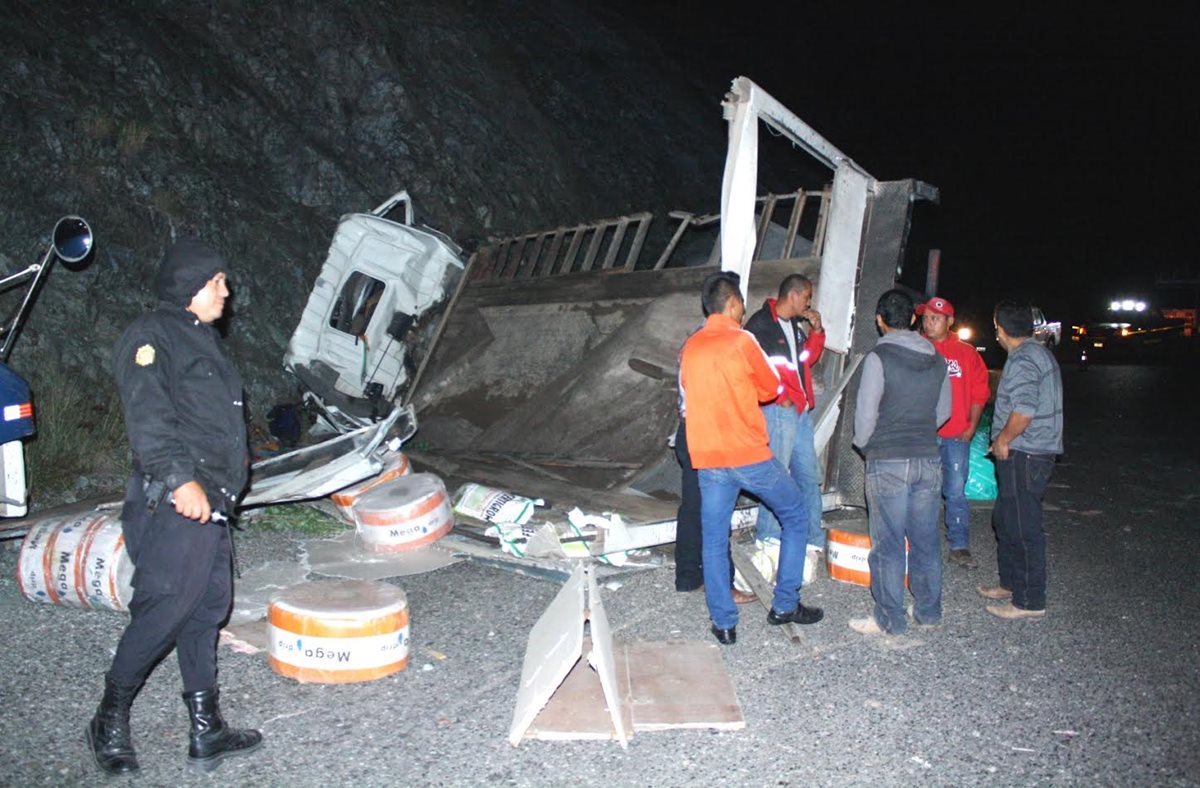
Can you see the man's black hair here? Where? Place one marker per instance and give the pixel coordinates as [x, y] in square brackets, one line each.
[717, 289]
[896, 309]
[798, 283]
[1015, 317]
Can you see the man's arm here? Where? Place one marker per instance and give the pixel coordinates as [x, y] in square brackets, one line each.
[1016, 424]
[866, 405]
[1023, 392]
[765, 378]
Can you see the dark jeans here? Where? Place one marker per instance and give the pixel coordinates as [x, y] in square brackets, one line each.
[182, 594]
[1017, 519]
[689, 574]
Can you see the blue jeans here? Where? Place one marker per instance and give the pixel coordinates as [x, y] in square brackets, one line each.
[791, 435]
[956, 464]
[902, 501]
[719, 489]
[1020, 539]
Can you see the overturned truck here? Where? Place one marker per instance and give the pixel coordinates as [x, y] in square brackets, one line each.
[546, 364]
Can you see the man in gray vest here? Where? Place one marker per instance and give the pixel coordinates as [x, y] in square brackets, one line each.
[1027, 434]
[903, 397]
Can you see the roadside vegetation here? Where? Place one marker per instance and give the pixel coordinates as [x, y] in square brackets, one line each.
[80, 443]
[294, 518]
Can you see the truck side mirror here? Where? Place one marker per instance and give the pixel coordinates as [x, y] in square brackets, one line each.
[73, 242]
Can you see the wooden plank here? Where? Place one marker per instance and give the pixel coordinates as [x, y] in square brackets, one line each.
[594, 247]
[794, 222]
[685, 221]
[555, 248]
[568, 261]
[663, 681]
[764, 221]
[513, 265]
[532, 269]
[822, 219]
[639, 240]
[759, 585]
[614, 246]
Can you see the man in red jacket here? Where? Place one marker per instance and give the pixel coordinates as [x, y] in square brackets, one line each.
[792, 352]
[969, 393]
[723, 376]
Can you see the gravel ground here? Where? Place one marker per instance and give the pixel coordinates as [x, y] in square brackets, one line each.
[1103, 691]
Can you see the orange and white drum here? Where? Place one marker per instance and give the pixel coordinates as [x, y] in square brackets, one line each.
[79, 561]
[395, 465]
[338, 632]
[848, 552]
[403, 514]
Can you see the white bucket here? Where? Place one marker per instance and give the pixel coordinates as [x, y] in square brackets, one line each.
[338, 632]
[395, 465]
[77, 560]
[403, 514]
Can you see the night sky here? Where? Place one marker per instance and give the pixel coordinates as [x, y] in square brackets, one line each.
[1064, 143]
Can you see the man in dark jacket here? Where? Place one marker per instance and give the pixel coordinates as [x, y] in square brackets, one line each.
[183, 413]
[792, 352]
[903, 397]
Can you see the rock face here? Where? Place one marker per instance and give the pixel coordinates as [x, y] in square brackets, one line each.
[256, 125]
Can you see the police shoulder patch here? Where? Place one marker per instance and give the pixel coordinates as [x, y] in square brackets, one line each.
[144, 356]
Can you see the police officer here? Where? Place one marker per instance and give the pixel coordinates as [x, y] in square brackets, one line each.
[183, 413]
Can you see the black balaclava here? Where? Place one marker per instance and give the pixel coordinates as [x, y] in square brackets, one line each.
[185, 269]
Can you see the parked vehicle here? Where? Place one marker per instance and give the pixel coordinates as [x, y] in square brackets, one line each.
[1047, 332]
[72, 243]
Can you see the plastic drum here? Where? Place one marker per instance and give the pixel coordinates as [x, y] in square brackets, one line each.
[395, 465]
[338, 632]
[78, 561]
[403, 514]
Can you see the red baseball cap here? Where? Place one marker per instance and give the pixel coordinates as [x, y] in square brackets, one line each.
[939, 305]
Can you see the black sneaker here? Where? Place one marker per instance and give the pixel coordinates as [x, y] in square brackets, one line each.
[801, 615]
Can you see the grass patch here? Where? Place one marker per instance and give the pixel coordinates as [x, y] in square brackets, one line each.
[294, 519]
[80, 433]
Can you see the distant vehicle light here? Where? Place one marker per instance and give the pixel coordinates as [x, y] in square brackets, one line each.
[1127, 304]
[1140, 306]
[964, 334]
[1124, 332]
[1114, 306]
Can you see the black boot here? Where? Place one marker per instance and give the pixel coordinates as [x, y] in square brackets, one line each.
[108, 732]
[211, 740]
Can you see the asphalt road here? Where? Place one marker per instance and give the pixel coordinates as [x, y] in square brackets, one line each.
[1103, 691]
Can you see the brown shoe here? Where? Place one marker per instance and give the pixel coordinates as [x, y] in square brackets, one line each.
[963, 558]
[1011, 612]
[743, 597]
[998, 593]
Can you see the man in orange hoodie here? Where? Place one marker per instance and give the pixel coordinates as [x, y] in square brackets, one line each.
[723, 377]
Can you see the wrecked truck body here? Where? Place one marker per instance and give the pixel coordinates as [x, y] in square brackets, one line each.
[549, 368]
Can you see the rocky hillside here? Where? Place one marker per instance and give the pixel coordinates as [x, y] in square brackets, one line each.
[256, 125]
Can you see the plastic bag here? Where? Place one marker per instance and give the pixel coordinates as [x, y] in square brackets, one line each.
[981, 474]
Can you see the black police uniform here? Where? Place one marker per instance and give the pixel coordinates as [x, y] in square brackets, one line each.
[184, 416]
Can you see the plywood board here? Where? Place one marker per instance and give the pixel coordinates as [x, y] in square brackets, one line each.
[578, 709]
[555, 645]
[603, 659]
[680, 684]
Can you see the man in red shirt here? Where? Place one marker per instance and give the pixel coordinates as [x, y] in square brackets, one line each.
[969, 392]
